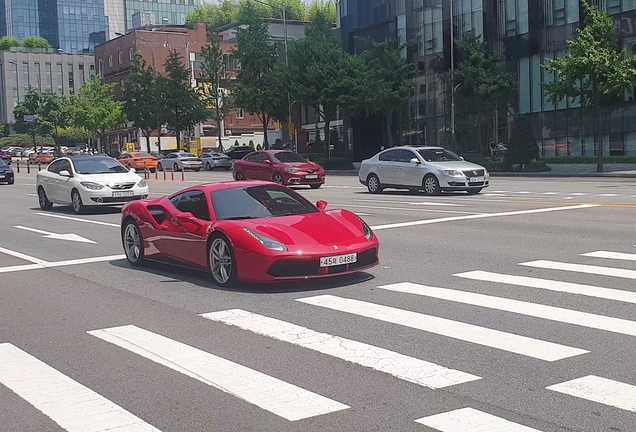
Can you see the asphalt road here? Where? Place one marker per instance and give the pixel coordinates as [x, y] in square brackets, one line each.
[513, 308]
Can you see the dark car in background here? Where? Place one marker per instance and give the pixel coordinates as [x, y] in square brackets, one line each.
[6, 173]
[239, 152]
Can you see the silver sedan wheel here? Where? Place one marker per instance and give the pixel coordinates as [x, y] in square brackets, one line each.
[220, 257]
[431, 185]
[373, 184]
[132, 243]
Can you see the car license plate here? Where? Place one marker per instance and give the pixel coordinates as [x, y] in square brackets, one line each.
[311, 176]
[338, 260]
[123, 194]
[477, 179]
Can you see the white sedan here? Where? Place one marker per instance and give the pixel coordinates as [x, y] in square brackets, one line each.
[88, 180]
[177, 161]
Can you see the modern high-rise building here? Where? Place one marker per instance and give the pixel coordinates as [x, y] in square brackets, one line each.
[19, 18]
[166, 12]
[73, 26]
[525, 33]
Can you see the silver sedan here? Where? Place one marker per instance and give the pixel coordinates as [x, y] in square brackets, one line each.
[178, 161]
[214, 160]
[431, 169]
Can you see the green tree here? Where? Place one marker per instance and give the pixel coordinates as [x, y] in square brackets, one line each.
[479, 73]
[95, 109]
[71, 135]
[213, 15]
[324, 7]
[54, 114]
[36, 42]
[522, 147]
[594, 71]
[215, 95]
[7, 42]
[183, 105]
[28, 115]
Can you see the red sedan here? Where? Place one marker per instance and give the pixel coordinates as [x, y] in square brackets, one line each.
[250, 231]
[280, 166]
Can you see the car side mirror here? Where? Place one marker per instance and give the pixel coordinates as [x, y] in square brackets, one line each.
[65, 173]
[132, 170]
[415, 161]
[321, 205]
[461, 157]
[267, 162]
[187, 219]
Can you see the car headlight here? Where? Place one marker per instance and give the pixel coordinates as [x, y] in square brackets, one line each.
[92, 186]
[142, 184]
[453, 173]
[366, 229]
[268, 242]
[291, 170]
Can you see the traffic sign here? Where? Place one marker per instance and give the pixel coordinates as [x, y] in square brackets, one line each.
[28, 118]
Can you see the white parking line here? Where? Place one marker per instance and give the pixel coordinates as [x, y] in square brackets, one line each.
[269, 393]
[611, 255]
[22, 256]
[430, 203]
[601, 390]
[78, 219]
[45, 264]
[401, 366]
[471, 420]
[68, 403]
[405, 209]
[580, 268]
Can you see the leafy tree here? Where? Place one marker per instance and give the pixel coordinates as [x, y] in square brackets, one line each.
[387, 81]
[7, 42]
[70, 135]
[212, 73]
[55, 113]
[213, 15]
[36, 42]
[95, 110]
[32, 105]
[594, 71]
[522, 147]
[322, 74]
[478, 73]
[183, 105]
[324, 7]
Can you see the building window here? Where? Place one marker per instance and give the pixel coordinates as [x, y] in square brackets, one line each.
[121, 57]
[71, 79]
[131, 54]
[38, 85]
[101, 68]
[240, 113]
[82, 75]
[14, 73]
[25, 69]
[110, 61]
[236, 64]
[60, 80]
[121, 84]
[49, 77]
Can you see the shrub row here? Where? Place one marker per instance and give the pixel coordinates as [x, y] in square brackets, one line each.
[334, 163]
[588, 159]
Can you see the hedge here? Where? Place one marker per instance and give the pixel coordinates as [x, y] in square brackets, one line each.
[333, 163]
[588, 159]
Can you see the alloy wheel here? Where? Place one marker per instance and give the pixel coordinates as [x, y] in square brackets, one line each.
[132, 243]
[221, 263]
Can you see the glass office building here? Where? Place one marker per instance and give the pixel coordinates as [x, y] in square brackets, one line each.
[525, 33]
[19, 18]
[171, 12]
[75, 26]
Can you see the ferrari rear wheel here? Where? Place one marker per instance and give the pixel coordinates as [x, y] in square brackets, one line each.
[133, 243]
[222, 262]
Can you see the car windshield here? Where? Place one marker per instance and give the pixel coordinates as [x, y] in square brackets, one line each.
[289, 157]
[99, 165]
[438, 155]
[258, 202]
[141, 155]
[186, 155]
[2, 164]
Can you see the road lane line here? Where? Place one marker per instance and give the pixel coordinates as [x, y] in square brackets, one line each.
[405, 209]
[68, 403]
[413, 202]
[552, 313]
[601, 390]
[78, 219]
[581, 268]
[31, 194]
[401, 366]
[269, 393]
[480, 216]
[471, 420]
[45, 264]
[547, 284]
[22, 256]
[611, 255]
[522, 345]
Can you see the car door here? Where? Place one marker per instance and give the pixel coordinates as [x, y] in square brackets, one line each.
[50, 180]
[265, 167]
[409, 174]
[388, 165]
[249, 164]
[66, 184]
[169, 161]
[186, 239]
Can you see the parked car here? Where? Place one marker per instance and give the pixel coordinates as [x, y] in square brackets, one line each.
[212, 160]
[159, 156]
[6, 173]
[138, 160]
[431, 169]
[280, 166]
[6, 156]
[239, 152]
[88, 180]
[39, 158]
[176, 161]
[248, 231]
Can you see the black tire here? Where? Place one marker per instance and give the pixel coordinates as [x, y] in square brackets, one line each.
[227, 168]
[278, 178]
[76, 202]
[474, 191]
[133, 242]
[208, 167]
[238, 176]
[222, 261]
[430, 184]
[11, 181]
[373, 184]
[175, 167]
[159, 167]
[45, 204]
[197, 169]
[315, 186]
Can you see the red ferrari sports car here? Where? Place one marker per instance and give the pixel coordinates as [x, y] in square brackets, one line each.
[251, 231]
[280, 166]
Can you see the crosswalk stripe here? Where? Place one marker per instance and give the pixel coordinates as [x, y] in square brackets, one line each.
[601, 390]
[582, 268]
[467, 332]
[469, 419]
[269, 393]
[403, 367]
[611, 255]
[558, 286]
[68, 403]
[568, 316]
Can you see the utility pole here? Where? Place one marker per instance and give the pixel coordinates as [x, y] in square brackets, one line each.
[452, 68]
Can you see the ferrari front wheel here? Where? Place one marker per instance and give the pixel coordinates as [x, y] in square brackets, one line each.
[133, 243]
[222, 262]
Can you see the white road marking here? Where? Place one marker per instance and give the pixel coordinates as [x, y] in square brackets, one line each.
[22, 256]
[578, 194]
[406, 209]
[68, 403]
[471, 420]
[481, 216]
[549, 193]
[45, 264]
[401, 366]
[78, 219]
[608, 195]
[269, 393]
[558, 286]
[611, 255]
[32, 195]
[568, 316]
[429, 203]
[601, 390]
[363, 214]
[458, 330]
[27, 184]
[581, 268]
[55, 236]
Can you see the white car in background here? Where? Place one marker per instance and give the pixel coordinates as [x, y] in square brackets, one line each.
[88, 180]
[177, 161]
